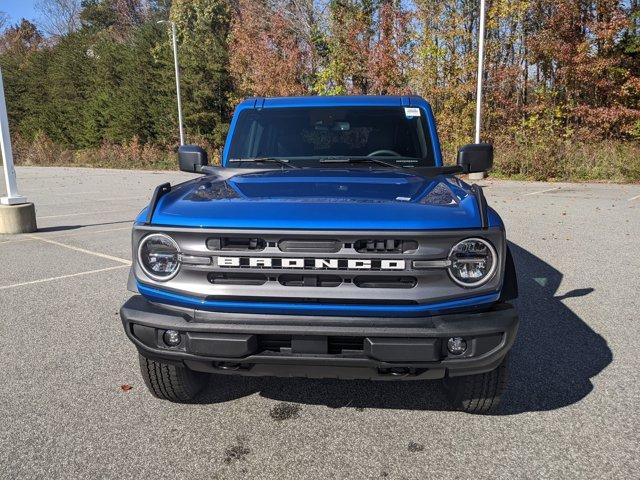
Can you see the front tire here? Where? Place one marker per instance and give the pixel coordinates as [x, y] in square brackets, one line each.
[166, 381]
[478, 394]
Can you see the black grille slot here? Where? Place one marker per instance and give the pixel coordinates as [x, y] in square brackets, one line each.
[237, 278]
[338, 345]
[388, 245]
[310, 246]
[273, 343]
[309, 280]
[385, 282]
[251, 244]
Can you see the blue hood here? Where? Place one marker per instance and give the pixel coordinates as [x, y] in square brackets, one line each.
[320, 199]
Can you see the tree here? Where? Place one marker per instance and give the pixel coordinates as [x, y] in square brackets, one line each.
[131, 94]
[577, 51]
[118, 17]
[4, 19]
[59, 17]
[445, 68]
[20, 57]
[269, 57]
[390, 59]
[350, 34]
[203, 30]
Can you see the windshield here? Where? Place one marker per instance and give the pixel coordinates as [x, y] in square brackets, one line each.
[305, 136]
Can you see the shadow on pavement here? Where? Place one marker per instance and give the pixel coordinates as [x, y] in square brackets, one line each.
[556, 352]
[63, 228]
[555, 356]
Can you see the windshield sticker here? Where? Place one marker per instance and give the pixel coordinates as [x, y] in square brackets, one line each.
[411, 112]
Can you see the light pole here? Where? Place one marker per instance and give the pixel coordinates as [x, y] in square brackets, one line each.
[13, 197]
[177, 69]
[16, 214]
[479, 176]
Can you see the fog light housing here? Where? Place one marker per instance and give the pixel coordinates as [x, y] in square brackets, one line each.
[172, 338]
[457, 345]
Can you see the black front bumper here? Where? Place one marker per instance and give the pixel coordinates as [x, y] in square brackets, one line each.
[322, 347]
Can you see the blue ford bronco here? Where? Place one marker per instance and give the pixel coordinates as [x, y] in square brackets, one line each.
[331, 242]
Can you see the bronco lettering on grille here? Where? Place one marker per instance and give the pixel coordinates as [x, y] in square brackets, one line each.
[311, 263]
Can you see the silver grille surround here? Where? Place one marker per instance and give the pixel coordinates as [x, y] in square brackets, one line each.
[433, 284]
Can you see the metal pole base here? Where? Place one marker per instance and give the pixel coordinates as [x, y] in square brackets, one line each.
[19, 200]
[18, 218]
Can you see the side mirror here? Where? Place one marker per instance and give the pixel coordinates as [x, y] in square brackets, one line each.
[192, 158]
[476, 157]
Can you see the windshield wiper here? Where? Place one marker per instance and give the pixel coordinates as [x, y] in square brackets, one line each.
[424, 171]
[281, 161]
[359, 160]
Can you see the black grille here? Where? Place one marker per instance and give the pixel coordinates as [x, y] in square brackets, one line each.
[310, 246]
[251, 244]
[388, 245]
[273, 343]
[309, 280]
[237, 278]
[339, 345]
[335, 345]
[385, 282]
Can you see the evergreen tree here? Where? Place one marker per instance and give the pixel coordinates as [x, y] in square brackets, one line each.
[203, 30]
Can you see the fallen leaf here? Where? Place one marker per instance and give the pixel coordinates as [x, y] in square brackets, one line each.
[415, 447]
[126, 387]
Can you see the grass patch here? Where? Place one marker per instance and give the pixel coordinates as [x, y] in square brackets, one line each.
[567, 160]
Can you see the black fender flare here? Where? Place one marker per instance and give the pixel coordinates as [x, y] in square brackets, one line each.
[510, 285]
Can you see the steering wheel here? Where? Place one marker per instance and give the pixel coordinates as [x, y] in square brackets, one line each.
[386, 153]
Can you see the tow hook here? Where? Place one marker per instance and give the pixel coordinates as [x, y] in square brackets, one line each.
[227, 366]
[396, 372]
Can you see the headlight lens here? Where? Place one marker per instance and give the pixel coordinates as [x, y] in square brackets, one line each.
[158, 256]
[473, 262]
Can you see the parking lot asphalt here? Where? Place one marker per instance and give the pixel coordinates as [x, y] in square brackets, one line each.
[571, 410]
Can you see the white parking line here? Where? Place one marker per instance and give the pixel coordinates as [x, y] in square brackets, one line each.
[62, 277]
[542, 191]
[98, 200]
[31, 194]
[85, 213]
[633, 198]
[82, 250]
[33, 238]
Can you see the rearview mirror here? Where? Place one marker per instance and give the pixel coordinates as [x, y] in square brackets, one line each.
[192, 158]
[476, 157]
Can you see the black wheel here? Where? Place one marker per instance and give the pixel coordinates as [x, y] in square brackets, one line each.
[171, 382]
[477, 393]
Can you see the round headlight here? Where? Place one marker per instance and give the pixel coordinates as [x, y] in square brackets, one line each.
[158, 256]
[473, 262]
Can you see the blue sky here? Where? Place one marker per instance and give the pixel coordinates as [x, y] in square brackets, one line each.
[18, 9]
